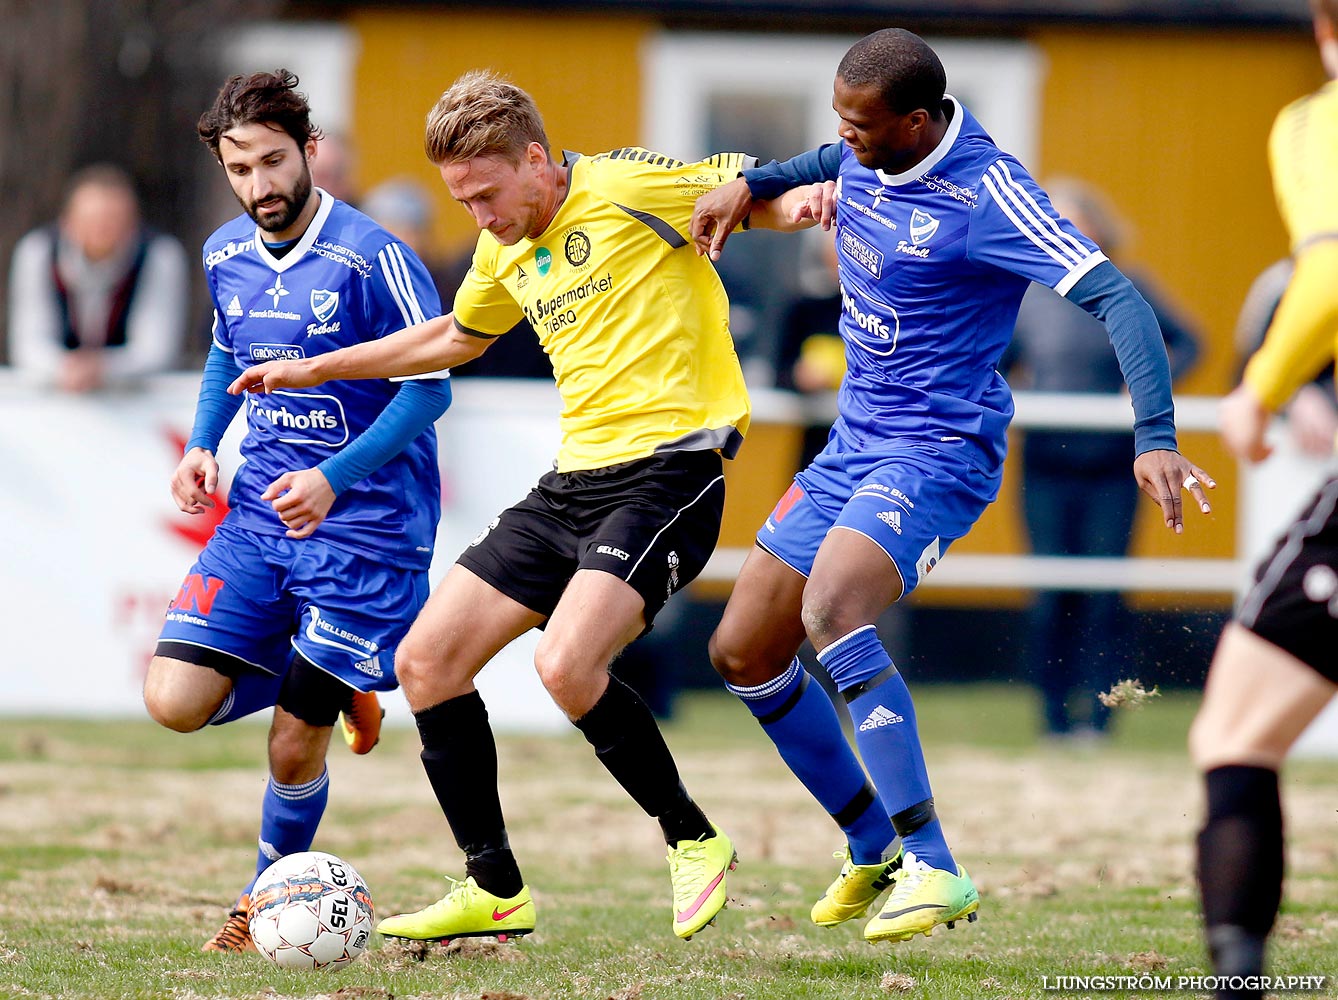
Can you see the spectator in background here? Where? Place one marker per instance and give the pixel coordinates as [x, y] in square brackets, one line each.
[97, 298]
[1312, 414]
[1078, 496]
[333, 168]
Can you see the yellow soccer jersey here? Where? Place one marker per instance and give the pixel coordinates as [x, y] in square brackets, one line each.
[1303, 155]
[636, 324]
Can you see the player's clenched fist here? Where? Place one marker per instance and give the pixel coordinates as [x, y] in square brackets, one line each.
[195, 478]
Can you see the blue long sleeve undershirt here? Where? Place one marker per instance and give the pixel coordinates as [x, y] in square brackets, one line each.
[415, 407]
[215, 408]
[771, 180]
[1131, 324]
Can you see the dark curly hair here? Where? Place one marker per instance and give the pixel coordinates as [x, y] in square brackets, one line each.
[901, 65]
[264, 98]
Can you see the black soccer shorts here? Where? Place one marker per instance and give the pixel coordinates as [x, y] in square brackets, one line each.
[652, 523]
[1294, 600]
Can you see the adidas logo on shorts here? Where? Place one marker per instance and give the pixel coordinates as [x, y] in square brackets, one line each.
[892, 518]
[878, 718]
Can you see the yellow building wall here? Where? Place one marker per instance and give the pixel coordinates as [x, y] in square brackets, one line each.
[584, 72]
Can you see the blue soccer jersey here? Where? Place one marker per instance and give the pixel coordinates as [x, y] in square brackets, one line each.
[346, 281]
[933, 265]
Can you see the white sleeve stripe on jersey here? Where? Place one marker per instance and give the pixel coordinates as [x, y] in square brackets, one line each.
[1006, 190]
[1049, 220]
[1024, 229]
[391, 282]
[400, 285]
[402, 266]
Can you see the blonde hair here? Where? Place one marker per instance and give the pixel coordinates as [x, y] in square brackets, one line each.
[482, 114]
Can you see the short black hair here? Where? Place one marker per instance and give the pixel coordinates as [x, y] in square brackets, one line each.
[261, 98]
[902, 66]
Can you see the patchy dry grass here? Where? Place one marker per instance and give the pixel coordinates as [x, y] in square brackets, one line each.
[121, 845]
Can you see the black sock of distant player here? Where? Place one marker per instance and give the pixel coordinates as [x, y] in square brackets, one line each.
[1240, 864]
[460, 758]
[628, 742]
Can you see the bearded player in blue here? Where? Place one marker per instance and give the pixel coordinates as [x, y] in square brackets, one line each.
[308, 585]
[938, 234]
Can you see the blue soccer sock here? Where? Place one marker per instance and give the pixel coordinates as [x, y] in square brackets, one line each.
[801, 721]
[251, 691]
[888, 740]
[289, 815]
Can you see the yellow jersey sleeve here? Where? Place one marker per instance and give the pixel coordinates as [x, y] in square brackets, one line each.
[659, 189]
[482, 303]
[1303, 157]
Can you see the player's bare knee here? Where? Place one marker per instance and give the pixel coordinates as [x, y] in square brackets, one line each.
[415, 667]
[568, 681]
[167, 707]
[821, 618]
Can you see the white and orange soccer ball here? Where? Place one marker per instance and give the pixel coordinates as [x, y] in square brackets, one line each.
[310, 911]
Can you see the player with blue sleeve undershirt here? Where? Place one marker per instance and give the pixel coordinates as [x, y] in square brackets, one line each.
[309, 583]
[938, 234]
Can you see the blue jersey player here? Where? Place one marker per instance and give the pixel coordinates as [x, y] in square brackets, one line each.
[308, 585]
[938, 234]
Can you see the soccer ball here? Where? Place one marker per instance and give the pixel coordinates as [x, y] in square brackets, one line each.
[310, 911]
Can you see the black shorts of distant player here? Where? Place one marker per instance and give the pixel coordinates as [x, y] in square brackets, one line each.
[1294, 600]
[652, 523]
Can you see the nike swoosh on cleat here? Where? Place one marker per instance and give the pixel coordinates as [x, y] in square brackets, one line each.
[893, 914]
[700, 900]
[505, 913]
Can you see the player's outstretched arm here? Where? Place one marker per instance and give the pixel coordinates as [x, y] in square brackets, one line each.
[799, 208]
[423, 347]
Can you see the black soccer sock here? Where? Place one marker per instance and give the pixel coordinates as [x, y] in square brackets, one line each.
[1240, 866]
[460, 758]
[628, 742]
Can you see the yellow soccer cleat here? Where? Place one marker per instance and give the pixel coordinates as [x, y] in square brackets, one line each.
[235, 934]
[361, 722]
[855, 889]
[697, 870]
[465, 911]
[922, 899]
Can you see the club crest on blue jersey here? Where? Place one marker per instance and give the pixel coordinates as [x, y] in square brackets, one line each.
[324, 302]
[923, 226]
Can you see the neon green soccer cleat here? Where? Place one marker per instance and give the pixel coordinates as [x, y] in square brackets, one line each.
[923, 898]
[465, 911]
[855, 889]
[697, 870]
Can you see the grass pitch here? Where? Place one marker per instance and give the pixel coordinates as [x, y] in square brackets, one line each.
[123, 844]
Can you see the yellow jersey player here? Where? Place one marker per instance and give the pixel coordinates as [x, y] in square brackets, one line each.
[1274, 669]
[595, 252]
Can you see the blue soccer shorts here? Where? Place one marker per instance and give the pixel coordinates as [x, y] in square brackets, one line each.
[912, 502]
[250, 600]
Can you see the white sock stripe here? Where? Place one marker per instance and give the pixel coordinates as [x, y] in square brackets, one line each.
[304, 791]
[845, 638]
[770, 687]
